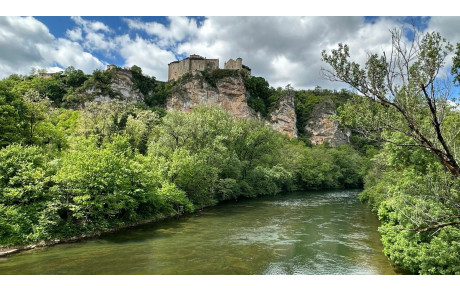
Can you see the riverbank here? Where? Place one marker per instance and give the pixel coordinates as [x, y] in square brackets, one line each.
[8, 251]
[12, 250]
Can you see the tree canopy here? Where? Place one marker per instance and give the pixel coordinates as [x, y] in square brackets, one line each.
[405, 92]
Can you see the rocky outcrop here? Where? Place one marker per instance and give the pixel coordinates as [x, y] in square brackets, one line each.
[229, 94]
[323, 128]
[122, 87]
[284, 117]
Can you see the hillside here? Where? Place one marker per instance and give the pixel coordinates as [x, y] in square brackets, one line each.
[235, 91]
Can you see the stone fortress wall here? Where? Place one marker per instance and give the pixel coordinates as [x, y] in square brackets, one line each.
[237, 64]
[234, 65]
[196, 63]
[192, 64]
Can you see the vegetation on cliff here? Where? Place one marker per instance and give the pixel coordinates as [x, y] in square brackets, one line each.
[212, 77]
[306, 100]
[72, 88]
[263, 98]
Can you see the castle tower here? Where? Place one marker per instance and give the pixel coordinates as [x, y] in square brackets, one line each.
[237, 64]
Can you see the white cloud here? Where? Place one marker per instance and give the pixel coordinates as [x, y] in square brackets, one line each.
[19, 39]
[75, 34]
[281, 49]
[26, 42]
[448, 28]
[287, 49]
[178, 29]
[90, 25]
[98, 41]
[93, 35]
[67, 53]
[152, 59]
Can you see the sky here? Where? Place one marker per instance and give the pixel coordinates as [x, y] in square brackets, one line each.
[284, 50]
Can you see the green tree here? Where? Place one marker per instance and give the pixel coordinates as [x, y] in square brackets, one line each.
[159, 95]
[143, 83]
[74, 78]
[24, 184]
[260, 92]
[37, 109]
[455, 70]
[11, 114]
[402, 93]
[417, 203]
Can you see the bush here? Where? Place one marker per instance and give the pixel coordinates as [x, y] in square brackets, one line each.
[24, 185]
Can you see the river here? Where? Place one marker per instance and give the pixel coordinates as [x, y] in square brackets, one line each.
[318, 232]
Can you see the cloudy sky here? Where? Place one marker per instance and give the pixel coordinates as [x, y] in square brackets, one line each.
[284, 50]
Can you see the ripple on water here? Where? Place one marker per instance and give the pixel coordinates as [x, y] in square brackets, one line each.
[270, 235]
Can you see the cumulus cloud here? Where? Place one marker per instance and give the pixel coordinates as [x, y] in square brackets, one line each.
[19, 42]
[178, 29]
[92, 35]
[74, 34]
[447, 26]
[287, 49]
[26, 42]
[68, 53]
[141, 52]
[90, 25]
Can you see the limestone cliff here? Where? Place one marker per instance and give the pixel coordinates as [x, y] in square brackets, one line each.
[284, 117]
[323, 128]
[229, 94]
[121, 88]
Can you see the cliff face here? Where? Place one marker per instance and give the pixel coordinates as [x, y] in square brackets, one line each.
[323, 129]
[122, 87]
[284, 118]
[230, 94]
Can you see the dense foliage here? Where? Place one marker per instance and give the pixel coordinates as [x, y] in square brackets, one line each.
[263, 98]
[66, 172]
[414, 197]
[72, 88]
[212, 77]
[413, 182]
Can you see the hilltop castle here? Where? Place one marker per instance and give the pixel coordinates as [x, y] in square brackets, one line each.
[196, 63]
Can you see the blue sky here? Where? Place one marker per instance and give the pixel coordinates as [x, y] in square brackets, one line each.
[284, 50]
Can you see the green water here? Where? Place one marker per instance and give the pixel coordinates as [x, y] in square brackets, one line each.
[327, 232]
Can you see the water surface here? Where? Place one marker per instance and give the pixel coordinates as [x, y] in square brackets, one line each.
[323, 232]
